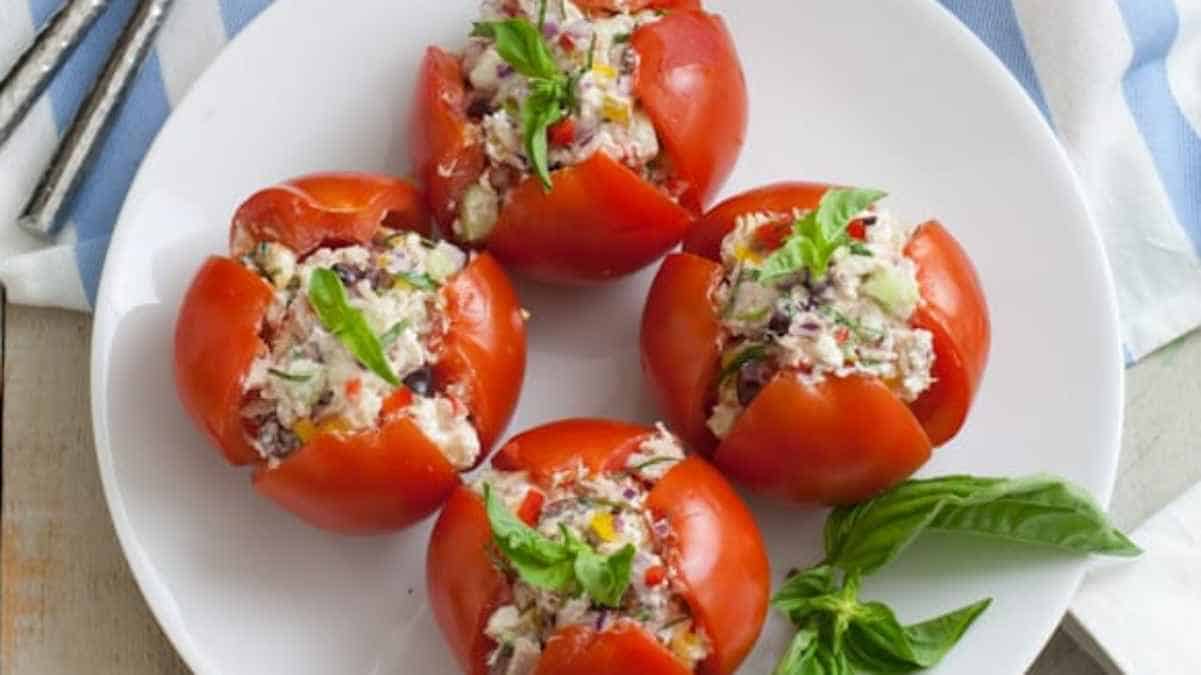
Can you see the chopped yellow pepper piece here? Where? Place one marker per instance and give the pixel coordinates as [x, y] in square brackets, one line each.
[604, 70]
[304, 429]
[616, 110]
[602, 525]
[334, 425]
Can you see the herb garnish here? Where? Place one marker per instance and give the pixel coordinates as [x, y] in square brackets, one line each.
[327, 295]
[818, 234]
[837, 633]
[290, 377]
[423, 281]
[570, 565]
[393, 333]
[551, 92]
[751, 353]
[651, 462]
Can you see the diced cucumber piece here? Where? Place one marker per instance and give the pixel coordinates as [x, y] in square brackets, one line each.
[477, 213]
[895, 290]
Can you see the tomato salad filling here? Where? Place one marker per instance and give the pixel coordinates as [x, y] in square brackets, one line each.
[352, 334]
[607, 516]
[550, 86]
[813, 294]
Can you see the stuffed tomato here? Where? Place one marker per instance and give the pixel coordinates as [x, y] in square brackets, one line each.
[593, 547]
[356, 364]
[577, 140]
[814, 348]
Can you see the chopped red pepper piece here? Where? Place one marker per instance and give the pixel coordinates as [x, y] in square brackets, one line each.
[655, 574]
[531, 508]
[562, 132]
[857, 230]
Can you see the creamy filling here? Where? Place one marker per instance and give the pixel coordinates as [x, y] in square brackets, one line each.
[308, 381]
[855, 320]
[607, 511]
[606, 117]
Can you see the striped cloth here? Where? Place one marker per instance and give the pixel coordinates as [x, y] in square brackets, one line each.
[1118, 80]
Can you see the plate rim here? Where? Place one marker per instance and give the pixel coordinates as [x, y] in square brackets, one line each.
[161, 602]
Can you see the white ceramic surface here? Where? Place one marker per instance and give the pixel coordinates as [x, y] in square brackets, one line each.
[894, 94]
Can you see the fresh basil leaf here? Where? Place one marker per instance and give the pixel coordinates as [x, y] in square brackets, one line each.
[877, 642]
[1036, 510]
[520, 44]
[860, 249]
[393, 334]
[751, 353]
[603, 578]
[290, 377]
[327, 295]
[809, 654]
[542, 108]
[539, 560]
[796, 597]
[838, 207]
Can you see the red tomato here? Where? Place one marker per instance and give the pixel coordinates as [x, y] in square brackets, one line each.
[369, 481]
[808, 443]
[600, 219]
[717, 554]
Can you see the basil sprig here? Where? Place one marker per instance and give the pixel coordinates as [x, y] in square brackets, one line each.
[327, 295]
[570, 565]
[818, 234]
[551, 91]
[838, 633]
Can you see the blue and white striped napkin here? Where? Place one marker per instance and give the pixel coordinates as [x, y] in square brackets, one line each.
[1118, 80]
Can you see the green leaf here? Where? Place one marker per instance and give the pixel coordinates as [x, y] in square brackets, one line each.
[327, 295]
[542, 107]
[605, 579]
[520, 44]
[809, 654]
[1036, 510]
[290, 377]
[751, 353]
[539, 560]
[876, 642]
[838, 207]
[795, 254]
[796, 597]
[393, 334]
[651, 462]
[423, 281]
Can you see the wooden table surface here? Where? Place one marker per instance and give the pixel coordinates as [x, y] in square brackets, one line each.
[68, 603]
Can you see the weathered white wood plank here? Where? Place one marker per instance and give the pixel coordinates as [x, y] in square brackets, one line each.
[68, 603]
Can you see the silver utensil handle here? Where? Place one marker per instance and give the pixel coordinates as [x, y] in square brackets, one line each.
[41, 215]
[24, 82]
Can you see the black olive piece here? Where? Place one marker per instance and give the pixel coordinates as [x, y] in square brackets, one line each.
[421, 381]
[479, 107]
[349, 275]
[868, 221]
[381, 279]
[749, 383]
[780, 323]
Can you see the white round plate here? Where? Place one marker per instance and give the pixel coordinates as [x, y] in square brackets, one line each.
[896, 95]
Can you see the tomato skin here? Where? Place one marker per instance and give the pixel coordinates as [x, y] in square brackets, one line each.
[330, 208]
[956, 312]
[212, 356]
[704, 239]
[708, 518]
[484, 347]
[726, 585]
[581, 650]
[600, 220]
[463, 585]
[370, 481]
[680, 340]
[690, 81]
[445, 153]
[807, 443]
